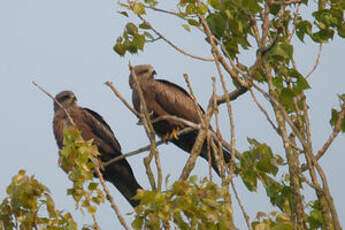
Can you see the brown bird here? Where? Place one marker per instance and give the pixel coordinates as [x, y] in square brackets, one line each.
[92, 126]
[165, 98]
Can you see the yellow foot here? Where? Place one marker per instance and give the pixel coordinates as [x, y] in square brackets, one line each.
[171, 135]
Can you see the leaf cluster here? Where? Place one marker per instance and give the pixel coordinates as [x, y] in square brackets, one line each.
[29, 205]
[188, 205]
[78, 159]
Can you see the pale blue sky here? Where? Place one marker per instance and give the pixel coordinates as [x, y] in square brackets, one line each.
[68, 45]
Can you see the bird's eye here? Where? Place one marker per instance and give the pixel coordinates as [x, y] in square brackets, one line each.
[143, 71]
[65, 97]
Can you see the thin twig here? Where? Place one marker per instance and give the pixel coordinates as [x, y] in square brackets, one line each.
[111, 200]
[196, 104]
[117, 93]
[168, 41]
[164, 11]
[56, 101]
[284, 113]
[294, 24]
[245, 215]
[193, 155]
[216, 114]
[324, 204]
[197, 126]
[316, 62]
[150, 133]
[333, 135]
[284, 3]
[326, 195]
[146, 148]
[232, 95]
[95, 224]
[264, 111]
[200, 114]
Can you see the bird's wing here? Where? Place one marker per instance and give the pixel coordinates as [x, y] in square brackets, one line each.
[174, 100]
[101, 129]
[58, 126]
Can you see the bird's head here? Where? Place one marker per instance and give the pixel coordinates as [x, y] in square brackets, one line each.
[65, 98]
[143, 73]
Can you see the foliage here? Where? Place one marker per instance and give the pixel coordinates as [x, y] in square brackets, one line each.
[187, 205]
[78, 159]
[264, 28]
[29, 205]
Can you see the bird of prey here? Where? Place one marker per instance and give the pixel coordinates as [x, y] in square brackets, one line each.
[165, 98]
[92, 126]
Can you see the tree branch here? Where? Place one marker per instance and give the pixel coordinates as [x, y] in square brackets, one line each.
[111, 200]
[56, 101]
[316, 62]
[333, 135]
[150, 133]
[166, 40]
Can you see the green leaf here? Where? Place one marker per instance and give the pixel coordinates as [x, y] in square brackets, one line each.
[148, 35]
[138, 222]
[92, 186]
[285, 50]
[186, 27]
[216, 4]
[303, 27]
[120, 49]
[323, 36]
[131, 28]
[262, 226]
[138, 8]
[341, 30]
[286, 97]
[202, 9]
[282, 227]
[144, 26]
[124, 13]
[139, 41]
[334, 119]
[193, 22]
[92, 209]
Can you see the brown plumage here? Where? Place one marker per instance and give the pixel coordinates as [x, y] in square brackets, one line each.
[165, 98]
[92, 126]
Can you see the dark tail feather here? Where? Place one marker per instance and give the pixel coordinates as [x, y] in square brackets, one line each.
[121, 176]
[186, 142]
[204, 154]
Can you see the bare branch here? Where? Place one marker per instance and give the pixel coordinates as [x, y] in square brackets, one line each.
[145, 148]
[193, 155]
[232, 95]
[56, 101]
[217, 55]
[311, 161]
[196, 104]
[316, 62]
[164, 11]
[295, 24]
[150, 133]
[95, 224]
[245, 215]
[216, 114]
[117, 93]
[264, 112]
[168, 41]
[285, 3]
[333, 135]
[111, 200]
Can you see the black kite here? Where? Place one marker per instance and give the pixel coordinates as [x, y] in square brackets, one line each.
[92, 126]
[165, 98]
